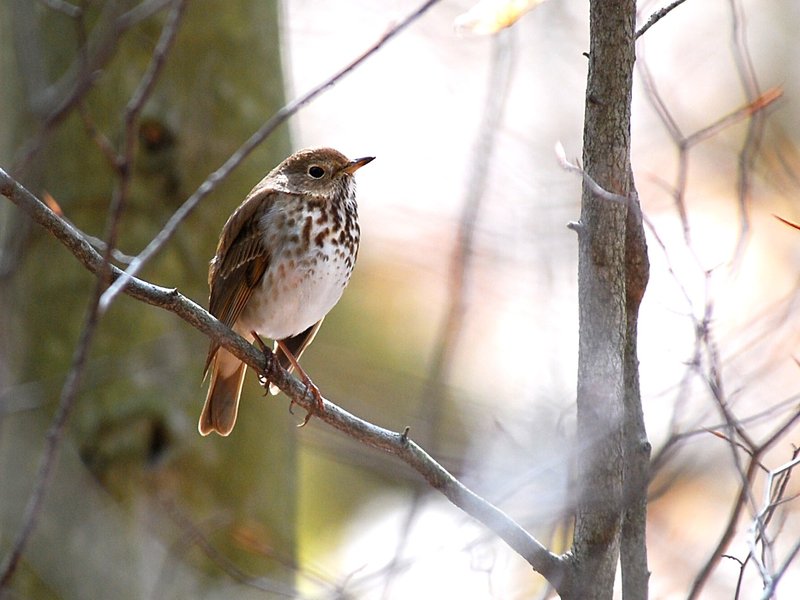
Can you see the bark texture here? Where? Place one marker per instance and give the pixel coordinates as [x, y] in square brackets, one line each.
[612, 272]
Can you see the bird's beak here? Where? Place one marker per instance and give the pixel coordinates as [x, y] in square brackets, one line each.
[355, 165]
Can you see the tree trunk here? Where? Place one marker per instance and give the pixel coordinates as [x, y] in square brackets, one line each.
[636, 475]
[612, 273]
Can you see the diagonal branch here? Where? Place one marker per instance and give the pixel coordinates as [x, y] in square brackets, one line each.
[657, 16]
[553, 567]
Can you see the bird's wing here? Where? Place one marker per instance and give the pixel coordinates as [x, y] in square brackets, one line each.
[240, 262]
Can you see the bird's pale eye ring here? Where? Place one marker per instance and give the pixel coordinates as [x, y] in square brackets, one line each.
[316, 171]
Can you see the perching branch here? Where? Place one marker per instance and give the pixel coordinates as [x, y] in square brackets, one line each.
[553, 567]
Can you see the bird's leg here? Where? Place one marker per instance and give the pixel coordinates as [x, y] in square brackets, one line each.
[269, 357]
[310, 387]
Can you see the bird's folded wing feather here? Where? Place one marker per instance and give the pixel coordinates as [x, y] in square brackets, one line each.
[242, 259]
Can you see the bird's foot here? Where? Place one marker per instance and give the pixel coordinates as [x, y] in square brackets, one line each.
[269, 357]
[319, 405]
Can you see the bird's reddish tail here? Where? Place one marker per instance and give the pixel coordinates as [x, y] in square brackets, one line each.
[222, 402]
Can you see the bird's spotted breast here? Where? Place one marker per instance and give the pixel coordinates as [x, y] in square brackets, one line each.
[320, 238]
[306, 237]
[308, 275]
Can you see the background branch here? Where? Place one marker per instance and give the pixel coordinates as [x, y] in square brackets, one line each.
[54, 102]
[449, 334]
[745, 492]
[72, 384]
[55, 433]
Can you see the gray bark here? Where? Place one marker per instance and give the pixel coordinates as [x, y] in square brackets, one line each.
[612, 273]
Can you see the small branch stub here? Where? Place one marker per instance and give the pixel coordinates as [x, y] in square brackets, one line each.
[404, 435]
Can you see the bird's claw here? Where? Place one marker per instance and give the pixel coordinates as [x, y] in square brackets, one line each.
[269, 357]
[319, 404]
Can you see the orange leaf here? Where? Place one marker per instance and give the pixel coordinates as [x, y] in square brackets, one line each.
[52, 204]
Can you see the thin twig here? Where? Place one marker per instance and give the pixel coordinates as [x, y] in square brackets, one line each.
[154, 68]
[734, 426]
[596, 188]
[100, 140]
[656, 17]
[243, 151]
[772, 498]
[132, 111]
[54, 103]
[193, 536]
[755, 125]
[684, 143]
[662, 456]
[748, 110]
[744, 492]
[770, 589]
[741, 51]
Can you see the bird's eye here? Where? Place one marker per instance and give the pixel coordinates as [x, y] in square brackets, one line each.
[316, 171]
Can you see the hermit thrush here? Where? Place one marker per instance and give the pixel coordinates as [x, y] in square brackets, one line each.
[283, 260]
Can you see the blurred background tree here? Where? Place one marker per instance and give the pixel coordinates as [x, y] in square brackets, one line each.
[131, 461]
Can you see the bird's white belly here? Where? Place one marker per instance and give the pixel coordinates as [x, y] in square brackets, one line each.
[294, 294]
